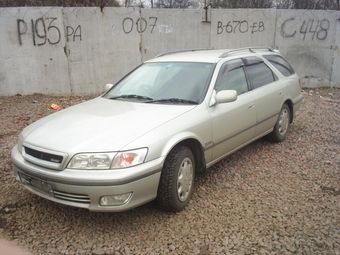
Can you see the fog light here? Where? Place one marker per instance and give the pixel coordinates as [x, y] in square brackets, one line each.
[115, 199]
[47, 188]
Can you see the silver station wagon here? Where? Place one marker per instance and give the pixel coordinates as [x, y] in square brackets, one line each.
[147, 136]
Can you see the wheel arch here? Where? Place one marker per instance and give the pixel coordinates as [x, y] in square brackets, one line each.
[198, 153]
[289, 103]
[197, 150]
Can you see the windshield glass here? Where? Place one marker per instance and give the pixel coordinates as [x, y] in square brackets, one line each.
[158, 82]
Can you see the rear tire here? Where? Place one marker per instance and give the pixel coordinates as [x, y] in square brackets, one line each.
[282, 125]
[177, 179]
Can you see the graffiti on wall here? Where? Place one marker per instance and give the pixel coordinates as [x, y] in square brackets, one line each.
[141, 25]
[309, 29]
[240, 27]
[44, 31]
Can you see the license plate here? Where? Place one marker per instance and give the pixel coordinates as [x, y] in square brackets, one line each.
[36, 183]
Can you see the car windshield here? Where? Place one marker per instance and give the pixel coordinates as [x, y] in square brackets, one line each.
[170, 83]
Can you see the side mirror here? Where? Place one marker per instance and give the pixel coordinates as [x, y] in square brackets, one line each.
[108, 86]
[226, 96]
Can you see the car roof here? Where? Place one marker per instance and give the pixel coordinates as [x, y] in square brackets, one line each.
[208, 56]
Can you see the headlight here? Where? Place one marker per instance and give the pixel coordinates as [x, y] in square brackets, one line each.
[129, 158]
[99, 161]
[103, 161]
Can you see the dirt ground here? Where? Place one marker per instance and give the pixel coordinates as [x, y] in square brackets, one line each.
[267, 198]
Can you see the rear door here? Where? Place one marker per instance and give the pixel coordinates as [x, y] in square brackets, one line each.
[289, 78]
[268, 91]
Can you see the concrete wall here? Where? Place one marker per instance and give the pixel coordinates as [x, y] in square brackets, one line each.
[58, 51]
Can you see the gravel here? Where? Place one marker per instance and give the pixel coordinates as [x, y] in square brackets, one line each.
[267, 198]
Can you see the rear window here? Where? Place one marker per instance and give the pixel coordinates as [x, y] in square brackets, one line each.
[281, 64]
[260, 75]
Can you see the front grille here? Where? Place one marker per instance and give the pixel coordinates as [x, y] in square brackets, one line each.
[76, 198]
[44, 156]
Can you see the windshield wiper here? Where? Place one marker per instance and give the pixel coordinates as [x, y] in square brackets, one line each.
[172, 100]
[138, 97]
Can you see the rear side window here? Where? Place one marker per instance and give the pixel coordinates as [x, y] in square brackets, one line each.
[260, 74]
[281, 64]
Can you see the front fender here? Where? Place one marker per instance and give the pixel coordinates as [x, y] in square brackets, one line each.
[195, 125]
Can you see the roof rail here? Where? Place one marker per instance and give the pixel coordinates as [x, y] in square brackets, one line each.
[179, 51]
[251, 49]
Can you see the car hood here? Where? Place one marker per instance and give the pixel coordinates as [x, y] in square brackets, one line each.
[99, 125]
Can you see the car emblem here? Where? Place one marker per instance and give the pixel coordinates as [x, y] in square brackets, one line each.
[54, 160]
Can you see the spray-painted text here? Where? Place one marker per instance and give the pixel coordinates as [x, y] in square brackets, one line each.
[44, 30]
[309, 29]
[240, 27]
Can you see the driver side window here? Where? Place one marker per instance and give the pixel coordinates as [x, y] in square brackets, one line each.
[233, 79]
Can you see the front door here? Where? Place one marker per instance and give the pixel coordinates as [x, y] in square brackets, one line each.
[234, 123]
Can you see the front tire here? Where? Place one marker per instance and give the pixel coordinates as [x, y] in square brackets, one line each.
[177, 179]
[282, 125]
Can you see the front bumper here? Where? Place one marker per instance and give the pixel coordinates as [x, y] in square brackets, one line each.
[84, 188]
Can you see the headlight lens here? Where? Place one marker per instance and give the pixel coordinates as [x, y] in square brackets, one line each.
[103, 161]
[115, 200]
[92, 161]
[129, 158]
